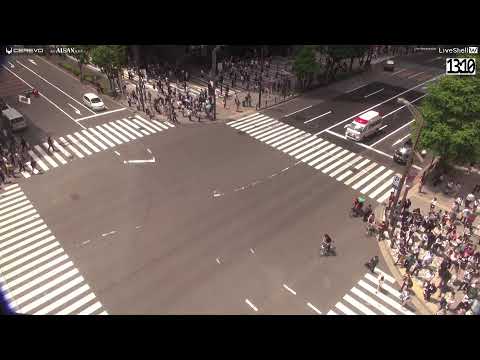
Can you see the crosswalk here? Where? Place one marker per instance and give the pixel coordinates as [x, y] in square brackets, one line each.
[363, 299]
[361, 174]
[37, 276]
[84, 143]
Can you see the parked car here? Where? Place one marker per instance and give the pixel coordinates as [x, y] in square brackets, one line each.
[93, 101]
[389, 65]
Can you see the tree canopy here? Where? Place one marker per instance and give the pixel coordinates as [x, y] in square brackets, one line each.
[110, 59]
[305, 64]
[451, 112]
[83, 56]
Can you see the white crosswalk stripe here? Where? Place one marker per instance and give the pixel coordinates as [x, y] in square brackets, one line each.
[92, 140]
[364, 299]
[37, 276]
[361, 174]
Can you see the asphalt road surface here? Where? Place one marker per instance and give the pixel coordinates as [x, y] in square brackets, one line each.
[217, 219]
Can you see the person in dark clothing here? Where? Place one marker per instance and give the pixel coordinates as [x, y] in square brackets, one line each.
[50, 144]
[367, 212]
[372, 264]
[23, 144]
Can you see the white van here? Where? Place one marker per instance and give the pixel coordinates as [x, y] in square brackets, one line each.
[363, 126]
[12, 120]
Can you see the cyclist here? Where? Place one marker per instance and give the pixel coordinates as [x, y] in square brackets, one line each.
[327, 243]
[381, 228]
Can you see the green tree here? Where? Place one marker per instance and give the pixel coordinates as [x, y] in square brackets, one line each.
[83, 56]
[337, 54]
[110, 59]
[306, 66]
[451, 112]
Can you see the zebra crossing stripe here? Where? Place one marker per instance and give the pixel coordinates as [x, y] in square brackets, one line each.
[386, 299]
[79, 303]
[329, 153]
[344, 309]
[14, 207]
[7, 188]
[242, 119]
[273, 133]
[289, 137]
[24, 235]
[37, 159]
[333, 158]
[80, 146]
[142, 125]
[106, 133]
[127, 127]
[309, 146]
[116, 133]
[253, 123]
[376, 181]
[35, 263]
[385, 275]
[123, 131]
[358, 305]
[89, 144]
[314, 152]
[132, 124]
[12, 199]
[368, 177]
[336, 163]
[26, 213]
[160, 124]
[19, 230]
[361, 173]
[344, 175]
[31, 256]
[370, 300]
[296, 143]
[57, 155]
[381, 189]
[17, 211]
[362, 164]
[71, 148]
[92, 138]
[296, 140]
[27, 249]
[385, 286]
[91, 309]
[286, 134]
[149, 123]
[45, 156]
[168, 123]
[331, 312]
[101, 137]
[265, 126]
[60, 147]
[385, 196]
[62, 301]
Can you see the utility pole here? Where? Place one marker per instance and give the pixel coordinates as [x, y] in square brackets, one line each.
[420, 121]
[260, 85]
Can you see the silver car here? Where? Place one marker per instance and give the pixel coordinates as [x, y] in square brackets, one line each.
[93, 101]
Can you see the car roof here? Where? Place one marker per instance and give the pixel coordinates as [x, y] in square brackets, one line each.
[11, 113]
[90, 95]
[369, 115]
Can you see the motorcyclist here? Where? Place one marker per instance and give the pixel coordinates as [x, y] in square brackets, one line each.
[357, 206]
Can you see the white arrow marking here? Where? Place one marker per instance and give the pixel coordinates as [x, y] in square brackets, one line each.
[11, 65]
[139, 161]
[74, 108]
[110, 233]
[32, 61]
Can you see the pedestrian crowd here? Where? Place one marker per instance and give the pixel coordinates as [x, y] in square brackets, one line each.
[441, 245]
[15, 157]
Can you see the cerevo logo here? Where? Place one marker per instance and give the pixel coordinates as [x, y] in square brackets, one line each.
[473, 50]
[8, 50]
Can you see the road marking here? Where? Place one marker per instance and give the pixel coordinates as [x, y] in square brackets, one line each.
[331, 159]
[34, 263]
[370, 300]
[251, 250]
[308, 145]
[296, 142]
[314, 308]
[109, 233]
[283, 138]
[368, 177]
[376, 181]
[412, 76]
[358, 87]
[296, 134]
[59, 158]
[386, 287]
[305, 108]
[89, 144]
[242, 118]
[11, 65]
[337, 135]
[398, 72]
[76, 142]
[59, 147]
[56, 87]
[100, 114]
[218, 260]
[292, 291]
[43, 96]
[400, 140]
[71, 148]
[317, 117]
[361, 173]
[74, 108]
[344, 309]
[116, 152]
[70, 309]
[358, 305]
[107, 134]
[383, 127]
[363, 145]
[251, 305]
[142, 125]
[91, 309]
[347, 165]
[385, 196]
[45, 156]
[377, 105]
[253, 123]
[37, 159]
[392, 133]
[139, 161]
[33, 62]
[148, 123]
[331, 312]
[373, 93]
[115, 132]
[92, 138]
[378, 191]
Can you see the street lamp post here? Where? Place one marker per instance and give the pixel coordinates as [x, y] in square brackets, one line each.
[260, 84]
[420, 121]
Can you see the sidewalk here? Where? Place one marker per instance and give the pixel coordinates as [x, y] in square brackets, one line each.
[422, 201]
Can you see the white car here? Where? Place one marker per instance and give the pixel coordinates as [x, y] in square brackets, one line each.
[93, 101]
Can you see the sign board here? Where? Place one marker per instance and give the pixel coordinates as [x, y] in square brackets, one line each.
[24, 99]
[396, 181]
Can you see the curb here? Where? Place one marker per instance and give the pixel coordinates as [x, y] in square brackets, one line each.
[398, 274]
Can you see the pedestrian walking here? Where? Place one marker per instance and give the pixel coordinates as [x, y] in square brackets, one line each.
[50, 144]
[381, 280]
[407, 282]
[225, 101]
[372, 264]
[21, 163]
[404, 297]
[33, 165]
[23, 144]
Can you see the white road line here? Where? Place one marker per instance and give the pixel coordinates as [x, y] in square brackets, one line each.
[298, 142]
[360, 173]
[160, 124]
[92, 138]
[248, 121]
[60, 147]
[392, 133]
[66, 299]
[337, 163]
[373, 93]
[128, 127]
[77, 143]
[43, 96]
[255, 123]
[403, 106]
[91, 309]
[35, 263]
[79, 303]
[15, 212]
[290, 136]
[384, 196]
[49, 296]
[148, 123]
[26, 213]
[115, 132]
[25, 242]
[289, 289]
[400, 140]
[71, 148]
[100, 114]
[37, 159]
[6, 210]
[274, 136]
[7, 188]
[135, 126]
[333, 158]
[56, 87]
[308, 146]
[412, 76]
[314, 152]
[385, 298]
[31, 256]
[347, 165]
[290, 131]
[144, 126]
[344, 175]
[369, 299]
[169, 124]
[338, 135]
[56, 154]
[107, 134]
[385, 286]
[377, 105]
[379, 190]
[103, 313]
[272, 129]
[45, 156]
[398, 72]
[358, 305]
[368, 177]
[89, 144]
[251, 305]
[122, 130]
[19, 230]
[344, 309]
[17, 197]
[383, 127]
[305, 108]
[358, 87]
[387, 277]
[331, 312]
[317, 117]
[376, 181]
[329, 153]
[242, 118]
[314, 308]
[268, 125]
